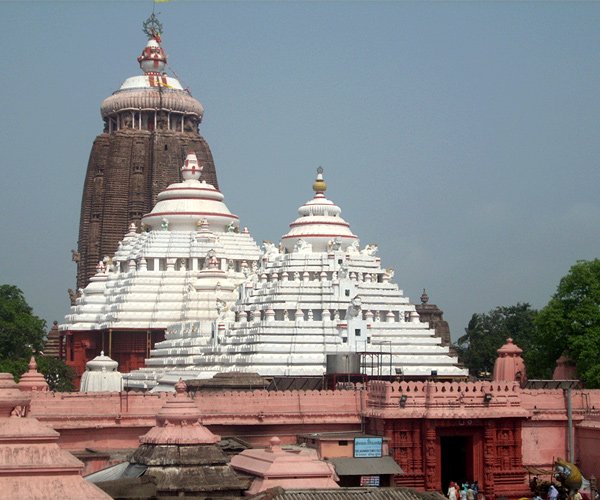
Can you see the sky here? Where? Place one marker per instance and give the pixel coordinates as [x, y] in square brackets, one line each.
[461, 137]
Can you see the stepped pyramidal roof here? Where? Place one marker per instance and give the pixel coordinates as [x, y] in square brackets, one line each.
[315, 294]
[185, 264]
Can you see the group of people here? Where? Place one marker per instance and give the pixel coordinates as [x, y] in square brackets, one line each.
[466, 491]
[547, 490]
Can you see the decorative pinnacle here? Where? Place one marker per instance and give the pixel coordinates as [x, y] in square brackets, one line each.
[191, 169]
[180, 387]
[32, 364]
[152, 27]
[319, 186]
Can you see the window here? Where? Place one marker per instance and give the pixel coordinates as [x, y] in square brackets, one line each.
[347, 293]
[357, 332]
[343, 443]
[344, 340]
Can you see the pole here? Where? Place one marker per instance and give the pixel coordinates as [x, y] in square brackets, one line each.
[570, 450]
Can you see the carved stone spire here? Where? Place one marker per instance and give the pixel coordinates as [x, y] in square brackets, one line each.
[33, 380]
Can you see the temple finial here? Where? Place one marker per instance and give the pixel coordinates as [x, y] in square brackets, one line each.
[153, 58]
[180, 387]
[319, 186]
[152, 27]
[191, 169]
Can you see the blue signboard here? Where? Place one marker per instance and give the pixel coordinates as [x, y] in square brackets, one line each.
[368, 447]
[369, 481]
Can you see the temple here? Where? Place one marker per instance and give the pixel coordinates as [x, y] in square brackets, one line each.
[316, 295]
[150, 123]
[187, 295]
[184, 265]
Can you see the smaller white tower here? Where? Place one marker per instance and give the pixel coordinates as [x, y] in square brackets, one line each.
[101, 375]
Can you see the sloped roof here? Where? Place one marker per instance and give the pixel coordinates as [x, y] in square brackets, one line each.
[118, 471]
[348, 466]
[348, 494]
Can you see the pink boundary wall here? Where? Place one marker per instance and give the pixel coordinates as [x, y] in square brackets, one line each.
[545, 432]
[105, 421]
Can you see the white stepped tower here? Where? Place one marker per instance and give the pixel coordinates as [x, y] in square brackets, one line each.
[316, 294]
[184, 266]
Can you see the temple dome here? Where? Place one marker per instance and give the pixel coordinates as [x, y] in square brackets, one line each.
[320, 223]
[184, 205]
[178, 423]
[509, 365]
[153, 90]
[101, 375]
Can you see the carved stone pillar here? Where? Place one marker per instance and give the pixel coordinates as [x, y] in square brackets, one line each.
[417, 451]
[431, 461]
[489, 456]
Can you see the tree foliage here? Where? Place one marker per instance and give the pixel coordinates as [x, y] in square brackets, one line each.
[16, 367]
[59, 375]
[21, 332]
[570, 323]
[21, 335]
[487, 332]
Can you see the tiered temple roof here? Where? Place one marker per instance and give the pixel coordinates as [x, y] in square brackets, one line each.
[319, 293]
[31, 463]
[182, 455]
[184, 265]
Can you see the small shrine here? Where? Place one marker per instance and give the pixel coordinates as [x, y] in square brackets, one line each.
[180, 455]
[32, 380]
[509, 365]
[292, 468]
[31, 463]
[101, 375]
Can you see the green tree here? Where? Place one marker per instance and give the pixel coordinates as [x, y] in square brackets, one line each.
[59, 375]
[16, 367]
[487, 332]
[570, 323]
[21, 335]
[21, 332]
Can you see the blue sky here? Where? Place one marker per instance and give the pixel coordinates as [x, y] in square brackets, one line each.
[462, 137]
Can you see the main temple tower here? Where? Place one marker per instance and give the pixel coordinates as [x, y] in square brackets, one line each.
[150, 124]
